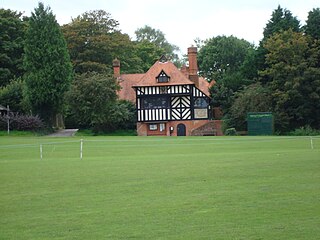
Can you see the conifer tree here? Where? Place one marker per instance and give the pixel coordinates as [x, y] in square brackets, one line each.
[11, 45]
[47, 64]
[312, 28]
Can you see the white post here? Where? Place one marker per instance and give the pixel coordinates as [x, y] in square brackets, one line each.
[311, 142]
[81, 148]
[41, 151]
[8, 119]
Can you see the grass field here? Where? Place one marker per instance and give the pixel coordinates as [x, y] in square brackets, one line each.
[160, 188]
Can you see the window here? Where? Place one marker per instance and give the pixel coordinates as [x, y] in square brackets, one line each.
[155, 102]
[162, 127]
[200, 103]
[153, 127]
[163, 77]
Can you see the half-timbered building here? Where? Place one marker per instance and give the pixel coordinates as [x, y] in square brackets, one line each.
[169, 101]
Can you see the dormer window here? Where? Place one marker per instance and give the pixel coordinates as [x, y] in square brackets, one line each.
[163, 77]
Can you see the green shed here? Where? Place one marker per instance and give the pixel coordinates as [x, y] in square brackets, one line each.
[260, 123]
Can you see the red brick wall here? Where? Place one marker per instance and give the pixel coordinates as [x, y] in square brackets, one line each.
[143, 128]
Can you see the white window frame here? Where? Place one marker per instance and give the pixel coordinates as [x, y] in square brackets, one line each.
[162, 127]
[153, 127]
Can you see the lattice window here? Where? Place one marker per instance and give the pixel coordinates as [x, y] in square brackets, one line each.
[163, 77]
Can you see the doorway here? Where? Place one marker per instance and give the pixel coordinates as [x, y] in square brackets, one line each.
[181, 129]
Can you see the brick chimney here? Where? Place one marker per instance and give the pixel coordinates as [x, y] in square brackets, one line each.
[116, 68]
[193, 65]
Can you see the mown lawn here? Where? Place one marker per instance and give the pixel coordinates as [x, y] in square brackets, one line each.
[160, 188]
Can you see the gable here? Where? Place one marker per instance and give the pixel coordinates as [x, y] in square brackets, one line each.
[171, 71]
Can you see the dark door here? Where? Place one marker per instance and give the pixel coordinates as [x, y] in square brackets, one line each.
[181, 129]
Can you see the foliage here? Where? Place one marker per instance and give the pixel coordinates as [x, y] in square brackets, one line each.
[21, 122]
[281, 20]
[305, 131]
[157, 37]
[230, 132]
[313, 23]
[221, 96]
[47, 64]
[222, 56]
[120, 132]
[11, 47]
[13, 95]
[148, 53]
[294, 79]
[91, 100]
[253, 98]
[94, 41]
[124, 114]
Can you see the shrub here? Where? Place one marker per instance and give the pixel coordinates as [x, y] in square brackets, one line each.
[21, 122]
[13, 95]
[304, 131]
[231, 132]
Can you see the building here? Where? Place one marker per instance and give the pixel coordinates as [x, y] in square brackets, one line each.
[169, 101]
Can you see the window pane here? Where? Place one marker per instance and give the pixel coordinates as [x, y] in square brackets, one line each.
[153, 127]
[155, 102]
[200, 103]
[162, 127]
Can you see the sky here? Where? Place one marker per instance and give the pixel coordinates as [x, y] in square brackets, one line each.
[182, 21]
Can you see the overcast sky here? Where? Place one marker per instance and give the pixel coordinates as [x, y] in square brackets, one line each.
[181, 21]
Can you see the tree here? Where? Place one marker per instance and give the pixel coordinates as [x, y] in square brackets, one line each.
[148, 53]
[281, 20]
[13, 95]
[223, 56]
[157, 37]
[47, 65]
[253, 98]
[313, 23]
[11, 47]
[293, 70]
[94, 41]
[91, 99]
[221, 96]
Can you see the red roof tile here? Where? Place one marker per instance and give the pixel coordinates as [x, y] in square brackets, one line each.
[176, 76]
[126, 81]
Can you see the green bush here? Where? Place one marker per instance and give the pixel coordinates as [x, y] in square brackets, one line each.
[304, 131]
[231, 132]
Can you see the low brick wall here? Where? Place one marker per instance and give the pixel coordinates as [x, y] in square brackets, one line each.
[212, 128]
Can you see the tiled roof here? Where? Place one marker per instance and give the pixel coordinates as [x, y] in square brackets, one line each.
[176, 76]
[126, 81]
[204, 86]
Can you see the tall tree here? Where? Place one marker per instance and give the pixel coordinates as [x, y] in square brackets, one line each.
[158, 38]
[294, 73]
[94, 41]
[148, 52]
[11, 48]
[281, 20]
[47, 64]
[91, 99]
[225, 59]
[312, 27]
